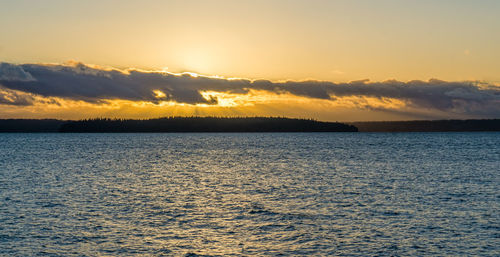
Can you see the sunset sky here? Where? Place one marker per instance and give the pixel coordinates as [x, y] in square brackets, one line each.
[328, 60]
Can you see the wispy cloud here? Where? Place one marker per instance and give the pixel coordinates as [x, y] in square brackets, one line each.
[92, 84]
[12, 97]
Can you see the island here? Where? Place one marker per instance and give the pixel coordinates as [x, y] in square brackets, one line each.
[175, 124]
[240, 124]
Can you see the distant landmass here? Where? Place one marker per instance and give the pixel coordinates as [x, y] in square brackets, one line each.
[26, 125]
[250, 124]
[205, 124]
[176, 124]
[429, 126]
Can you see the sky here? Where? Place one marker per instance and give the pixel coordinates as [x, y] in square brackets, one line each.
[329, 60]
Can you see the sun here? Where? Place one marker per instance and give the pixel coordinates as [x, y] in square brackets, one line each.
[198, 59]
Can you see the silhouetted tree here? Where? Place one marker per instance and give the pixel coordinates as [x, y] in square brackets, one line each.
[205, 124]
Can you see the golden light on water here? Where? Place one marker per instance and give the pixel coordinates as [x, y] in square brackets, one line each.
[249, 194]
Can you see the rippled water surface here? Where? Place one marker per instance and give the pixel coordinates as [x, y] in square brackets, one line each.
[250, 194]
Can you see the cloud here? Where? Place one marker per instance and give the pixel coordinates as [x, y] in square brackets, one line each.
[94, 84]
[11, 97]
[9, 72]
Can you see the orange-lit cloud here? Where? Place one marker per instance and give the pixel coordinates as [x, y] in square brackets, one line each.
[75, 90]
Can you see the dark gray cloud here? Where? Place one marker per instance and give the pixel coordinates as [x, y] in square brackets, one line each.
[80, 82]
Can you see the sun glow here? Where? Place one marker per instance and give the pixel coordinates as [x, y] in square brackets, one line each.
[159, 94]
[251, 103]
[234, 101]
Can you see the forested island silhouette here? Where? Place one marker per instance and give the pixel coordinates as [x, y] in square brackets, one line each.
[240, 124]
[206, 124]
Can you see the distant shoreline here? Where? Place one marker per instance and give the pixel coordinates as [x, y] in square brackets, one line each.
[429, 126]
[238, 125]
[176, 125]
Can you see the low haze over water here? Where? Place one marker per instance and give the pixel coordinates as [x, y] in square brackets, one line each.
[250, 194]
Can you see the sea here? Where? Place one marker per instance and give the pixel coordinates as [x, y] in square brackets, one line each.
[250, 194]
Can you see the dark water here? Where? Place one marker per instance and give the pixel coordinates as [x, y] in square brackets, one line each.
[250, 194]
